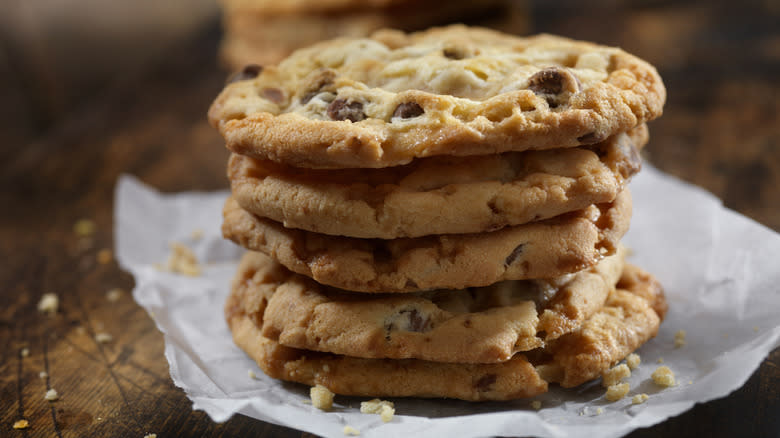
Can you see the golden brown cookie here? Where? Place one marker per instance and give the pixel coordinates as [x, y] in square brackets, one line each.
[544, 249]
[438, 195]
[629, 318]
[385, 100]
[627, 321]
[477, 325]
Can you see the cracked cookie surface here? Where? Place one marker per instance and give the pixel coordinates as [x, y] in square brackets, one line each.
[385, 100]
[543, 249]
[629, 318]
[428, 196]
[477, 325]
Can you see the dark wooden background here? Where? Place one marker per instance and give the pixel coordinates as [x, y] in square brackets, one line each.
[74, 116]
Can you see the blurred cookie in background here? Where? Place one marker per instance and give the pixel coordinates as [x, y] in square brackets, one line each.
[263, 32]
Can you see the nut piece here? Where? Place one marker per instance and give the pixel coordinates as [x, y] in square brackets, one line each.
[51, 395]
[633, 360]
[639, 399]
[321, 397]
[616, 392]
[384, 408]
[613, 376]
[663, 376]
[679, 339]
[49, 303]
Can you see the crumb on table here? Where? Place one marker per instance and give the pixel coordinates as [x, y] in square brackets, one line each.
[633, 360]
[384, 408]
[617, 391]
[321, 397]
[679, 339]
[49, 303]
[614, 375]
[51, 395]
[349, 430]
[663, 376]
[21, 424]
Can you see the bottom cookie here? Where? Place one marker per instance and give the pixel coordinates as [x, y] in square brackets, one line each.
[629, 318]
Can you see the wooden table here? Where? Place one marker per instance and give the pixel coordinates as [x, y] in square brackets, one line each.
[721, 130]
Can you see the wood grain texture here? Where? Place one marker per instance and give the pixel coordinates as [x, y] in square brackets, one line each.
[720, 131]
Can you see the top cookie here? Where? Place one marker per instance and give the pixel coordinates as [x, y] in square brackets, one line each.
[385, 100]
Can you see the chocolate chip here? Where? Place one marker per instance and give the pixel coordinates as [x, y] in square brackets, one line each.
[416, 322]
[275, 95]
[453, 53]
[251, 71]
[341, 109]
[485, 382]
[514, 254]
[408, 110]
[551, 82]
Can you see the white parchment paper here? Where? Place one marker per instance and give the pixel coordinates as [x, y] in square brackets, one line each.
[720, 270]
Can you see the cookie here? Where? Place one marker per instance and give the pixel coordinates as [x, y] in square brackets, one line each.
[428, 196]
[265, 34]
[385, 100]
[630, 317]
[544, 249]
[622, 325]
[477, 325]
[271, 7]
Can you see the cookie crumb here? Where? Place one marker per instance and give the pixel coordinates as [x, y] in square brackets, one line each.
[599, 411]
[84, 227]
[49, 303]
[351, 431]
[614, 375]
[679, 339]
[196, 234]
[182, 261]
[321, 397]
[104, 256]
[660, 360]
[251, 374]
[51, 395]
[663, 376]
[43, 374]
[150, 435]
[384, 408]
[639, 399]
[633, 360]
[21, 424]
[103, 338]
[755, 329]
[25, 352]
[114, 295]
[536, 404]
[617, 392]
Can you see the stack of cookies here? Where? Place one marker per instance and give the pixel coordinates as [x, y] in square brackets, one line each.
[266, 31]
[438, 214]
